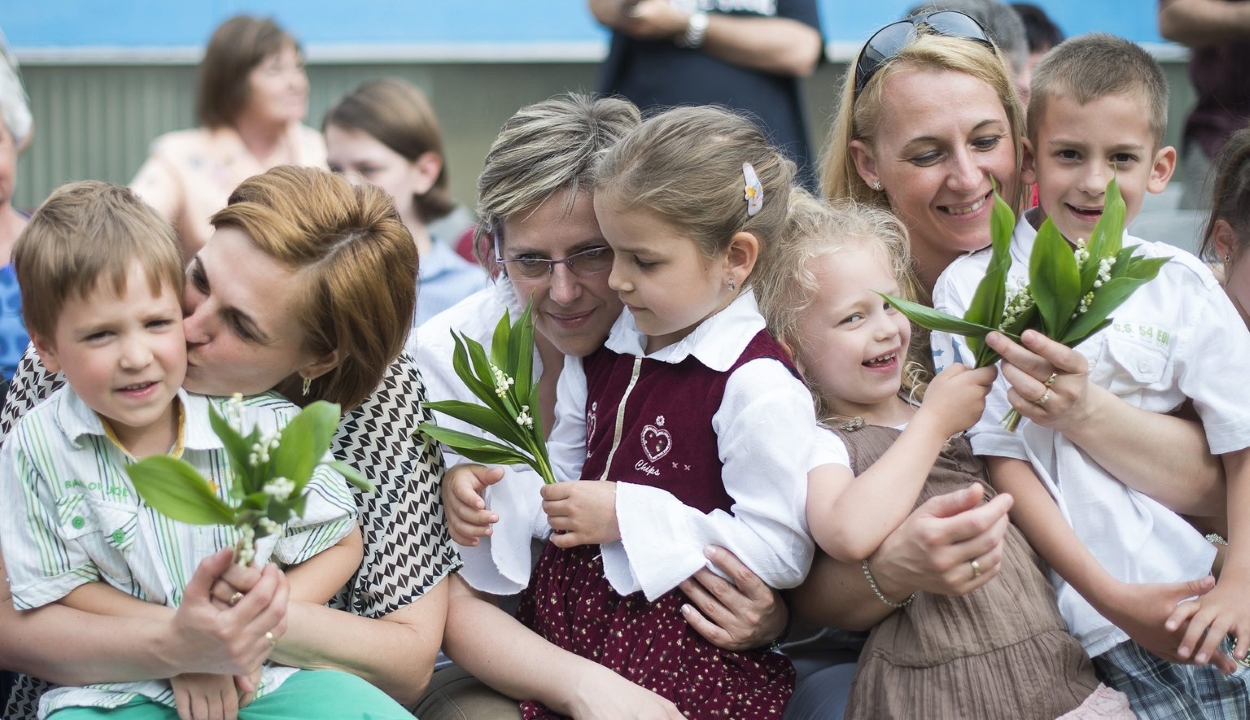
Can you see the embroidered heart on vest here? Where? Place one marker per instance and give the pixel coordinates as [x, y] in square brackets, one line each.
[656, 442]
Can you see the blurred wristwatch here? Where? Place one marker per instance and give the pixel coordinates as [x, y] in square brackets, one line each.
[696, 30]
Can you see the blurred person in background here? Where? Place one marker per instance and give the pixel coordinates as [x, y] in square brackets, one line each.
[1218, 34]
[251, 102]
[386, 133]
[15, 129]
[742, 54]
[1004, 27]
[1042, 32]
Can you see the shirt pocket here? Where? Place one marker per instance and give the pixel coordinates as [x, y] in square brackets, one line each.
[1128, 367]
[103, 530]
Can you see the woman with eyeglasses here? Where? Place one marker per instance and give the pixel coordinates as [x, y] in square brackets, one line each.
[536, 215]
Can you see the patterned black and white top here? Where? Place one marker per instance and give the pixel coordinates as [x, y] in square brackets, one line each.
[406, 546]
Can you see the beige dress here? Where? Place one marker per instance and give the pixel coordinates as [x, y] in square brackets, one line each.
[190, 174]
[1002, 651]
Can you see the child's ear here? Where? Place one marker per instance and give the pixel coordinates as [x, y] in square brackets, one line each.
[427, 167]
[1161, 171]
[1028, 164]
[47, 353]
[865, 163]
[1224, 238]
[744, 250]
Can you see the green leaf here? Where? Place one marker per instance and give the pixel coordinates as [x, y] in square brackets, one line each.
[482, 388]
[482, 418]
[1108, 235]
[237, 447]
[352, 475]
[1107, 298]
[177, 490]
[304, 443]
[927, 317]
[523, 340]
[1054, 279]
[990, 297]
[476, 448]
[499, 342]
[1144, 268]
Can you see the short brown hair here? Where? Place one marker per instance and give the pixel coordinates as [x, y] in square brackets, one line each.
[1097, 65]
[86, 232]
[814, 230]
[358, 264]
[237, 46]
[1230, 198]
[686, 166]
[400, 117]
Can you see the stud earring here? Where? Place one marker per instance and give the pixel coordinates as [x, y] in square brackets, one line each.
[732, 287]
[876, 185]
[1228, 259]
[307, 385]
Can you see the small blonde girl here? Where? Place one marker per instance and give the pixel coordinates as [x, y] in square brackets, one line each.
[690, 426]
[1001, 650]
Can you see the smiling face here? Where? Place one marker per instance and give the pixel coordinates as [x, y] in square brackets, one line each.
[124, 355]
[572, 312]
[663, 277]
[1075, 151]
[853, 344]
[944, 140]
[241, 332]
[278, 88]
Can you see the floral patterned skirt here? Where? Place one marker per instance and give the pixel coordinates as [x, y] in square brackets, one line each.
[570, 603]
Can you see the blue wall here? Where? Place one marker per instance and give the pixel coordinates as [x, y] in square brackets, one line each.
[164, 23]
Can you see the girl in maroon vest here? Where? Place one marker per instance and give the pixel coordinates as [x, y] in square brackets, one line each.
[1002, 650]
[690, 426]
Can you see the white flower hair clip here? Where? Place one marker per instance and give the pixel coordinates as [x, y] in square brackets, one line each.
[754, 190]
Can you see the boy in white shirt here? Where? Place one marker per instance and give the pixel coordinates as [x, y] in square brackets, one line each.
[1099, 110]
[102, 279]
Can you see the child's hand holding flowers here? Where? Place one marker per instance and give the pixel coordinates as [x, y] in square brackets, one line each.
[955, 399]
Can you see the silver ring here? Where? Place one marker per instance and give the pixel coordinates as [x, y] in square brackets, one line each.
[1045, 396]
[1051, 380]
[976, 569]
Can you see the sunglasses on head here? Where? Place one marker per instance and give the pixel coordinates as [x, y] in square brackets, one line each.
[887, 42]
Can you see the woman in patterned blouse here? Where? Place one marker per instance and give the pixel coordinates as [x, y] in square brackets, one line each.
[252, 326]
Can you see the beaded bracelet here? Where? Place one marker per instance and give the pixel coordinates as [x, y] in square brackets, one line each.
[880, 596]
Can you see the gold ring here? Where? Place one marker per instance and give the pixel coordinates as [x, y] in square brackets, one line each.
[976, 569]
[1045, 396]
[1051, 380]
[273, 641]
[235, 598]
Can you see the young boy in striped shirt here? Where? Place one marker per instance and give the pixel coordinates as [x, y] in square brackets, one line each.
[101, 279]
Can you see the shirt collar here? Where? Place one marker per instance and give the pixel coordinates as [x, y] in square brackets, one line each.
[77, 420]
[717, 342]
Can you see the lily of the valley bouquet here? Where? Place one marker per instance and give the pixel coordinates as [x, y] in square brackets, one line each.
[1069, 294]
[268, 475]
[504, 382]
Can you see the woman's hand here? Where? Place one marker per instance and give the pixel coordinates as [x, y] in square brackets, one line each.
[463, 490]
[1042, 367]
[582, 512]
[210, 634]
[735, 616]
[934, 548]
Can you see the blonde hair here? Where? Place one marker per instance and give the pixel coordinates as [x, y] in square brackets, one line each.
[859, 118]
[789, 287]
[398, 115]
[1097, 65]
[686, 166]
[546, 148]
[358, 267]
[86, 233]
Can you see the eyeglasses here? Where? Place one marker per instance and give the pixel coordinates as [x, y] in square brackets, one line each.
[887, 42]
[591, 261]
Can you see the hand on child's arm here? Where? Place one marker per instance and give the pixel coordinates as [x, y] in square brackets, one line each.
[955, 399]
[463, 491]
[200, 696]
[582, 512]
[735, 616]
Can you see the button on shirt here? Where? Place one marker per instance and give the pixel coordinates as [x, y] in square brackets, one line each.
[75, 518]
[1177, 337]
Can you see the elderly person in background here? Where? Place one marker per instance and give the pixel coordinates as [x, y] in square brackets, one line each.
[252, 99]
[15, 127]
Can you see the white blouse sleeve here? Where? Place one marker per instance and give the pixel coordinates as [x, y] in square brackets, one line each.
[764, 428]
